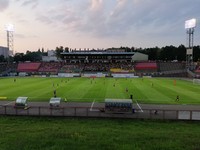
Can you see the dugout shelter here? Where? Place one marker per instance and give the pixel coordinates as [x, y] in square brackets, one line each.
[21, 102]
[54, 102]
[118, 105]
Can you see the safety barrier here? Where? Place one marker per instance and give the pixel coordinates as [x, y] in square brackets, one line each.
[99, 112]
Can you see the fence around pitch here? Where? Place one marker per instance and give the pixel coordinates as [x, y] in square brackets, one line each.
[95, 112]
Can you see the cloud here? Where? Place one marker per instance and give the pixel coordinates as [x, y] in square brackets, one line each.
[22, 36]
[61, 14]
[32, 3]
[101, 18]
[3, 4]
[108, 21]
[44, 19]
[96, 5]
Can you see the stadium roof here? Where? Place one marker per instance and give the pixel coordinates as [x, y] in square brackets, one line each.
[97, 53]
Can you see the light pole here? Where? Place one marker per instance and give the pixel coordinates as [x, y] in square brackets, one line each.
[10, 38]
[189, 26]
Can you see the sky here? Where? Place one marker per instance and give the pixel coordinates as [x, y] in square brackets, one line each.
[97, 23]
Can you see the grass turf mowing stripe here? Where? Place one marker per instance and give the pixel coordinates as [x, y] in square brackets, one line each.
[86, 89]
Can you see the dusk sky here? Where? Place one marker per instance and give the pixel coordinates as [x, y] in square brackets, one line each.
[97, 23]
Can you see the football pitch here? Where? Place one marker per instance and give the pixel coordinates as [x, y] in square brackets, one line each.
[143, 90]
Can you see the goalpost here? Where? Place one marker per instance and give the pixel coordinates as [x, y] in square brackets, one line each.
[196, 81]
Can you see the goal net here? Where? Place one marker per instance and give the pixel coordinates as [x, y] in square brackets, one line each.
[196, 81]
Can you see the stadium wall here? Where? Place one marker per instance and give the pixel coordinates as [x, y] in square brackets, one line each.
[68, 75]
[124, 75]
[45, 111]
[96, 75]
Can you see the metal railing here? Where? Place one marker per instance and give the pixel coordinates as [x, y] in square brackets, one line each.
[98, 112]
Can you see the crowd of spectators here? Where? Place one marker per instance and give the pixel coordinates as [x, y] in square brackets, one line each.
[71, 68]
[50, 66]
[3, 66]
[96, 67]
[63, 67]
[11, 67]
[198, 70]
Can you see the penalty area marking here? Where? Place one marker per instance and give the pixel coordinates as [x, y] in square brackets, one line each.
[91, 107]
[7, 103]
[139, 106]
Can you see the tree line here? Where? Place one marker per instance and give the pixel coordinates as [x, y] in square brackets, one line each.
[167, 53]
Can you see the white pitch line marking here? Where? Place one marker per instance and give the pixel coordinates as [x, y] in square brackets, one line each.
[7, 104]
[92, 105]
[139, 106]
[91, 108]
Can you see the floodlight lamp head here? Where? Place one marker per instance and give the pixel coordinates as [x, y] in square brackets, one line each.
[190, 23]
[10, 27]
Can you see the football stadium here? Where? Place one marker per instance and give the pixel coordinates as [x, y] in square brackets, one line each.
[130, 92]
[95, 85]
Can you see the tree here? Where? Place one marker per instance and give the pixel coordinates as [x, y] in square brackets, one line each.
[153, 53]
[196, 53]
[29, 56]
[181, 53]
[67, 49]
[59, 50]
[2, 59]
[33, 56]
[19, 57]
[168, 53]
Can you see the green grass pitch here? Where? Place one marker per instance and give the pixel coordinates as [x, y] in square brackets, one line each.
[35, 133]
[147, 90]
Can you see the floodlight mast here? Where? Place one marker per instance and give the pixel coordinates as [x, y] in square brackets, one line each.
[10, 38]
[189, 26]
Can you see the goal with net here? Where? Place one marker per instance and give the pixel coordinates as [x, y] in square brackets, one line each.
[196, 81]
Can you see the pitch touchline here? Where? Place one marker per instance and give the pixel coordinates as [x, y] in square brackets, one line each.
[92, 105]
[7, 104]
[139, 106]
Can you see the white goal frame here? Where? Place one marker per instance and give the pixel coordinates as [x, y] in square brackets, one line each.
[196, 81]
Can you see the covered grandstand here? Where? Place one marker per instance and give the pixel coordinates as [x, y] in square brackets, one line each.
[99, 56]
[198, 70]
[99, 63]
[105, 69]
[28, 67]
[146, 67]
